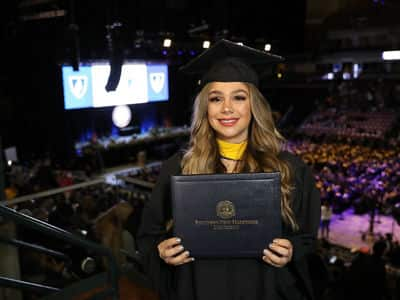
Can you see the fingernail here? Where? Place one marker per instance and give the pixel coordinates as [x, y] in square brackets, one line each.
[265, 251]
[271, 245]
[187, 253]
[181, 247]
[178, 240]
[192, 258]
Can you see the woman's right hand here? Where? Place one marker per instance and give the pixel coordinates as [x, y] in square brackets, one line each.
[172, 252]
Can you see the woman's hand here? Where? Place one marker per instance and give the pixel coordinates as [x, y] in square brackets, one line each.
[280, 252]
[172, 252]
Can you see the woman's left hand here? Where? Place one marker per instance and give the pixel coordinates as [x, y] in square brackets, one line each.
[279, 253]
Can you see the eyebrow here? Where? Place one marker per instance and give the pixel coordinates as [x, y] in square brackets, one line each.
[233, 92]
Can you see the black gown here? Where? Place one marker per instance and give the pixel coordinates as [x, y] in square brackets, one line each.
[231, 279]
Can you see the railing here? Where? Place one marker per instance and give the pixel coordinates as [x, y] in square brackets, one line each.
[24, 285]
[139, 182]
[52, 192]
[66, 236]
[44, 250]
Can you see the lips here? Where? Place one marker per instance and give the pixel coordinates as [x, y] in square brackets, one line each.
[228, 122]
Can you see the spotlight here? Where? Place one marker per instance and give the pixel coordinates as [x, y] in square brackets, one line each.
[9, 163]
[206, 44]
[240, 43]
[346, 76]
[267, 47]
[391, 55]
[167, 43]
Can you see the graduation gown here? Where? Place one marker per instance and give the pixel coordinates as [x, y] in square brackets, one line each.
[231, 279]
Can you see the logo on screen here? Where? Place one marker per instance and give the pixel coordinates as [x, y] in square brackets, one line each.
[78, 85]
[157, 81]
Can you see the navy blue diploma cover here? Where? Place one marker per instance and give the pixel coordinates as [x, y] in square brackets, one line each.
[227, 215]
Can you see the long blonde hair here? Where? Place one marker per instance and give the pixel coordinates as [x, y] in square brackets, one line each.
[263, 148]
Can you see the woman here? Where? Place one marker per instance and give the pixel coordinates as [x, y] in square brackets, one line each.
[233, 131]
[326, 215]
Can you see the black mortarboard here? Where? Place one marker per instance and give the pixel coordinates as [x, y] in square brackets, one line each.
[227, 61]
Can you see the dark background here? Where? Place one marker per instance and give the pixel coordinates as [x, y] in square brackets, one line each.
[31, 100]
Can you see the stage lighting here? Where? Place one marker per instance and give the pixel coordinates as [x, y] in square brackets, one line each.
[267, 47]
[167, 43]
[346, 76]
[329, 76]
[206, 44]
[356, 70]
[391, 55]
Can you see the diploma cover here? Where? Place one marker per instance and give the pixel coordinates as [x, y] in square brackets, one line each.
[227, 215]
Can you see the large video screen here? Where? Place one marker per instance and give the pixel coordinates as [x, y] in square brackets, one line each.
[139, 83]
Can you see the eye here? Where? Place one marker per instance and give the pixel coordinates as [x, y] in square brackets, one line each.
[214, 99]
[240, 97]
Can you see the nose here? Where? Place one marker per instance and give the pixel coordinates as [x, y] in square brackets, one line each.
[227, 106]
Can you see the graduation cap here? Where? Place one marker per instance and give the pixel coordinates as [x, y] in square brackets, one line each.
[227, 61]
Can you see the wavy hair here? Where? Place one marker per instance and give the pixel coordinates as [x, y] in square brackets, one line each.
[262, 153]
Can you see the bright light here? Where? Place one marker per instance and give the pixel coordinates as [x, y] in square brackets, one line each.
[240, 44]
[328, 76]
[356, 70]
[346, 76]
[121, 116]
[267, 47]
[391, 55]
[279, 75]
[206, 44]
[9, 163]
[167, 43]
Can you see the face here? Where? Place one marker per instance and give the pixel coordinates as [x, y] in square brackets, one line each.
[229, 111]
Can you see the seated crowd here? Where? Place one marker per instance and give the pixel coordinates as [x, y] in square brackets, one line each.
[355, 109]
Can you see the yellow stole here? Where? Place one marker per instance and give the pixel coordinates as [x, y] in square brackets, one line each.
[231, 151]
